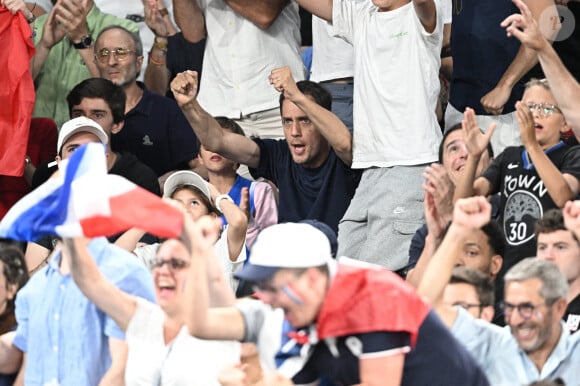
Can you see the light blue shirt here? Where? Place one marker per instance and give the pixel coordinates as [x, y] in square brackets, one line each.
[64, 335]
[505, 364]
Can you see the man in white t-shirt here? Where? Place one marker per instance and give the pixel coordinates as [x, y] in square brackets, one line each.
[397, 47]
[244, 44]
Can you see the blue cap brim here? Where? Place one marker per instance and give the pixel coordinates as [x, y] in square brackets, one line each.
[255, 273]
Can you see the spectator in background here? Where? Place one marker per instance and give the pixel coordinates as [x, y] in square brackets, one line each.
[64, 54]
[136, 11]
[171, 52]
[541, 175]
[565, 88]
[13, 275]
[395, 127]
[535, 344]
[311, 167]
[558, 244]
[245, 42]
[155, 129]
[489, 69]
[262, 208]
[471, 290]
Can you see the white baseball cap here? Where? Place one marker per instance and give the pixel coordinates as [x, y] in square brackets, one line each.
[287, 245]
[185, 177]
[78, 125]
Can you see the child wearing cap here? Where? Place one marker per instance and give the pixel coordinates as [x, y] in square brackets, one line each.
[201, 198]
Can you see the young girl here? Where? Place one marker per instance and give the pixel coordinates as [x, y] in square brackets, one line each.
[262, 206]
[198, 198]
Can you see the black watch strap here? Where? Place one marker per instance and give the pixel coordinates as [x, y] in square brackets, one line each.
[86, 42]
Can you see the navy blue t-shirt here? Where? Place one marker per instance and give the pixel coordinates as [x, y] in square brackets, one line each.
[157, 133]
[437, 359]
[322, 193]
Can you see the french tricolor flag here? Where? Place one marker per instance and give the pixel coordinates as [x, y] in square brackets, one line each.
[86, 201]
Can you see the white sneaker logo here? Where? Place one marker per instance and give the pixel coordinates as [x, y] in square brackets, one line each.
[399, 210]
[512, 166]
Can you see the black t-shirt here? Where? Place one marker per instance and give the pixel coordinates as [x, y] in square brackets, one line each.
[322, 193]
[524, 198]
[437, 359]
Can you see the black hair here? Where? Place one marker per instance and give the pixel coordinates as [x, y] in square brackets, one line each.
[317, 92]
[451, 130]
[100, 88]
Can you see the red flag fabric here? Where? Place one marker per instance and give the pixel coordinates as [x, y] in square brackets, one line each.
[16, 91]
[362, 300]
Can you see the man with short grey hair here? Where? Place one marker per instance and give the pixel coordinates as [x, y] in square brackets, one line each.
[535, 343]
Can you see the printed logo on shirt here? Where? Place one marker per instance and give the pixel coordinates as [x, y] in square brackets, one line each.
[522, 210]
[512, 166]
[399, 35]
[573, 322]
[147, 141]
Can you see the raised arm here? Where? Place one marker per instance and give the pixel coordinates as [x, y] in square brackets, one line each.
[470, 213]
[157, 74]
[71, 17]
[525, 59]
[564, 86]
[203, 322]
[427, 13]
[262, 13]
[189, 19]
[320, 8]
[562, 187]
[117, 304]
[237, 224]
[51, 35]
[328, 124]
[233, 146]
[476, 142]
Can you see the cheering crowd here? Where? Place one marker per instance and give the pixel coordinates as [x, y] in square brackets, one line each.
[199, 200]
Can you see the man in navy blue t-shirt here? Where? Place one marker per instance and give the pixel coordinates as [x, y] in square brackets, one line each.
[311, 166]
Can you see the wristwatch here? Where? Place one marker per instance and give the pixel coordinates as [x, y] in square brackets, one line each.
[86, 42]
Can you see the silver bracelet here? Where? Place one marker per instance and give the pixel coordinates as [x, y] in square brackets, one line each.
[221, 197]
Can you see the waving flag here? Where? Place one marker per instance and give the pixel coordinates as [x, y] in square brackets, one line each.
[86, 201]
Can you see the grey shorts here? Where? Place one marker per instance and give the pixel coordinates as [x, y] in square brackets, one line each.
[383, 216]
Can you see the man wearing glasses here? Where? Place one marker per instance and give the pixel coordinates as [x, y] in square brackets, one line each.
[64, 55]
[534, 344]
[155, 129]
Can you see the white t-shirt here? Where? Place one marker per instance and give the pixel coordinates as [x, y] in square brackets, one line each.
[239, 57]
[184, 361]
[397, 84]
[332, 57]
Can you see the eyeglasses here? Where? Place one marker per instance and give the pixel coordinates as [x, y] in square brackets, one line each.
[121, 54]
[526, 310]
[173, 263]
[544, 109]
